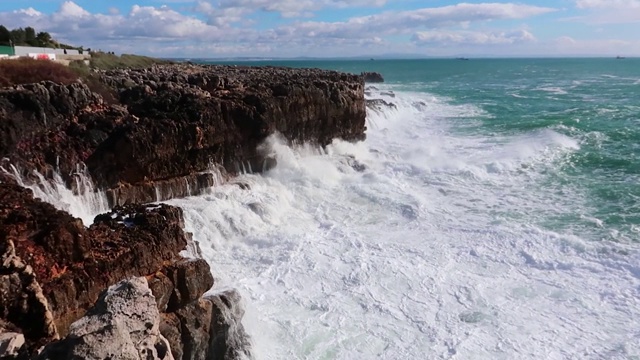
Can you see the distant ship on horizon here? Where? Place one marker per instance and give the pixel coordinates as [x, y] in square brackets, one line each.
[620, 57]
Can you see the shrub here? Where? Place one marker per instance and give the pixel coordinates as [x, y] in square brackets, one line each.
[27, 70]
[92, 80]
[107, 61]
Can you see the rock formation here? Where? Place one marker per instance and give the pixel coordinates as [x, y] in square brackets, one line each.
[372, 77]
[172, 122]
[54, 269]
[169, 127]
[124, 324]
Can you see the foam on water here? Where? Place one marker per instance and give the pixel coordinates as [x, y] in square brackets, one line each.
[420, 242]
[424, 241]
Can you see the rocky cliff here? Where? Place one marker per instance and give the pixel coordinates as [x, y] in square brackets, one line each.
[54, 269]
[119, 288]
[170, 123]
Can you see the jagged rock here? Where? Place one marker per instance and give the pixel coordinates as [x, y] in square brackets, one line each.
[379, 104]
[209, 328]
[195, 325]
[10, 344]
[191, 279]
[72, 264]
[162, 288]
[181, 283]
[372, 77]
[229, 340]
[171, 329]
[173, 121]
[123, 325]
[22, 302]
[35, 120]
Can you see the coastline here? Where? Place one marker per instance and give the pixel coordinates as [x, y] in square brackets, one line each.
[168, 126]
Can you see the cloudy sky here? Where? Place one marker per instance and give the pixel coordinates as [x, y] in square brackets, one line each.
[336, 28]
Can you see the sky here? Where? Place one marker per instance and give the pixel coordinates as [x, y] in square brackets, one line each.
[337, 28]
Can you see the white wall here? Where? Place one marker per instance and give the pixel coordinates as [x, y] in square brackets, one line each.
[26, 50]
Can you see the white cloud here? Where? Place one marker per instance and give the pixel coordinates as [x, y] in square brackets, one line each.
[291, 8]
[472, 37]
[565, 40]
[608, 4]
[28, 12]
[226, 26]
[608, 11]
[408, 21]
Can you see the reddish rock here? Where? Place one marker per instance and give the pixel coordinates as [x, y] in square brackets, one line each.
[73, 264]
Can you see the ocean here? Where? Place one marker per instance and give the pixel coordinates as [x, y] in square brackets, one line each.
[492, 213]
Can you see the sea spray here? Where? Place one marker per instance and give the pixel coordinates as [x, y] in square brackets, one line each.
[469, 230]
[85, 201]
[419, 242]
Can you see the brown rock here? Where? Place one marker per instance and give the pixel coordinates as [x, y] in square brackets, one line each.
[209, 328]
[228, 337]
[173, 122]
[170, 328]
[191, 279]
[130, 241]
[162, 288]
[195, 324]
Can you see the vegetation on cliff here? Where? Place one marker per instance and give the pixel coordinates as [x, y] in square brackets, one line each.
[29, 37]
[27, 70]
[107, 61]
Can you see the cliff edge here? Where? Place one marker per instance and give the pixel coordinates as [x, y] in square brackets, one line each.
[172, 122]
[120, 288]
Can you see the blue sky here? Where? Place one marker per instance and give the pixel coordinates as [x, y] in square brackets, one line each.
[287, 28]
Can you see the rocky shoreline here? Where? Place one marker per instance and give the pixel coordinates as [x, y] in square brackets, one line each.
[174, 121]
[119, 288]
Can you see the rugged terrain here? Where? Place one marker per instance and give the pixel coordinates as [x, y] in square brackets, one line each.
[65, 288]
[172, 122]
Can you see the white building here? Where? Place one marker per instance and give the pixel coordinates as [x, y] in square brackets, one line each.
[27, 50]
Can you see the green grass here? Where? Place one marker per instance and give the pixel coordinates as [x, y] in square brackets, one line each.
[105, 61]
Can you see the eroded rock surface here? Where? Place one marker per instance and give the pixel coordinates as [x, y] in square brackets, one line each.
[124, 324]
[372, 77]
[54, 269]
[175, 121]
[170, 126]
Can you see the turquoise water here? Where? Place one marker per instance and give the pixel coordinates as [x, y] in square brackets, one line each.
[491, 213]
[594, 191]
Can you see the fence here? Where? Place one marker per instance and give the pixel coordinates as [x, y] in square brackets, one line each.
[6, 50]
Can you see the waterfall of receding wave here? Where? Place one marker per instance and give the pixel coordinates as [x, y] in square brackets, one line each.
[85, 201]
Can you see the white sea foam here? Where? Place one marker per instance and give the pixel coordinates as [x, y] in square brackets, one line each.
[430, 251]
[419, 243]
[553, 89]
[85, 203]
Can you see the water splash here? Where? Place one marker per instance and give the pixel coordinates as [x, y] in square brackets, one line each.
[85, 201]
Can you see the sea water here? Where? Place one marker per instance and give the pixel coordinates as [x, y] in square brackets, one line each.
[492, 213]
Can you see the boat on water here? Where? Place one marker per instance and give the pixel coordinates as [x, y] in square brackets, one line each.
[620, 57]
